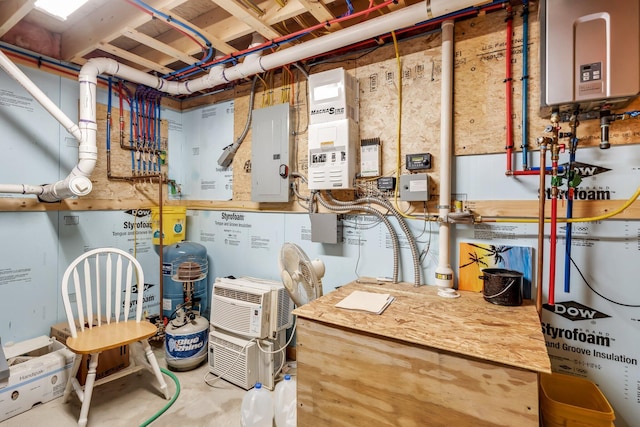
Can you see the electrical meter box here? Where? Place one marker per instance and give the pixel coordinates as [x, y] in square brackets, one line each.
[590, 54]
[333, 95]
[271, 153]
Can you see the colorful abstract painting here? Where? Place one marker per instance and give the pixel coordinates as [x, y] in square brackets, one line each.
[474, 257]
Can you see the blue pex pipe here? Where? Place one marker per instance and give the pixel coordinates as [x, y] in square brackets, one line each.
[525, 81]
[568, 230]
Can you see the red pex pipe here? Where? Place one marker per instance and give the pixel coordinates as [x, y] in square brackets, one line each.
[523, 172]
[552, 243]
[508, 89]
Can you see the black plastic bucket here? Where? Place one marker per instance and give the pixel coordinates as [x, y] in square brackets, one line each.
[501, 286]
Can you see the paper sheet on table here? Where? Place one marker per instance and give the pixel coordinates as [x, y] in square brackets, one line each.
[366, 301]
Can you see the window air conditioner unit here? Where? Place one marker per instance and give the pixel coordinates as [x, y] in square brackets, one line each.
[244, 362]
[250, 307]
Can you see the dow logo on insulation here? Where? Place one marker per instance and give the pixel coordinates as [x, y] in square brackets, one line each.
[575, 311]
[138, 213]
[584, 169]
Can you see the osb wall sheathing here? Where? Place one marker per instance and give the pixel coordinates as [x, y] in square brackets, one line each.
[121, 188]
[480, 118]
[479, 121]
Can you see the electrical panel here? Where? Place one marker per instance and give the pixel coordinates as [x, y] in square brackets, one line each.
[271, 153]
[590, 54]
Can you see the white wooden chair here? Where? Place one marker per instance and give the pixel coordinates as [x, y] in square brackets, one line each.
[97, 287]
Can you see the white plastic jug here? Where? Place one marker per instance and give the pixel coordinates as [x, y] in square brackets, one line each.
[285, 402]
[257, 408]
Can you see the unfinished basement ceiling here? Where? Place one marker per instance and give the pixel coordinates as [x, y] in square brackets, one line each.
[165, 36]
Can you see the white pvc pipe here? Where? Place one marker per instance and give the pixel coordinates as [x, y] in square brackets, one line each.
[39, 95]
[254, 63]
[78, 183]
[444, 273]
[437, 8]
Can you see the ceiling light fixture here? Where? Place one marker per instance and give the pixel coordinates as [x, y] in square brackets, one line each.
[59, 9]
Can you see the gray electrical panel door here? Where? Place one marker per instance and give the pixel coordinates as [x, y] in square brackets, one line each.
[271, 150]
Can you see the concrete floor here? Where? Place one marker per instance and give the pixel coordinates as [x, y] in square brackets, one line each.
[132, 401]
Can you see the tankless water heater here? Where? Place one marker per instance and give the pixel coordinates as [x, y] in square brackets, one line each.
[589, 54]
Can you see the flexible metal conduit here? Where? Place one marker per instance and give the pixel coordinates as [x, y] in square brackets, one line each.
[415, 254]
[350, 207]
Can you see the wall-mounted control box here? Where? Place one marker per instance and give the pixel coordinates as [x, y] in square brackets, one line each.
[418, 161]
[386, 183]
[414, 187]
[333, 95]
[333, 130]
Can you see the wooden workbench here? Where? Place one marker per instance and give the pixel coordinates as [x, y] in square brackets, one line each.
[425, 361]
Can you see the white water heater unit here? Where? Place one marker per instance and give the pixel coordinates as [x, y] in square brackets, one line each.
[590, 54]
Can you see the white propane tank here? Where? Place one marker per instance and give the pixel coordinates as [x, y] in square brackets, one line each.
[186, 341]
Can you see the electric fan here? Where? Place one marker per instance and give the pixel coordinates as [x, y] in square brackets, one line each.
[300, 276]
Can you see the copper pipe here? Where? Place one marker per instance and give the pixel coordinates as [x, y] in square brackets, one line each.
[555, 154]
[541, 201]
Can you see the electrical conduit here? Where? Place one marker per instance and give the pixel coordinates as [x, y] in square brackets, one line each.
[350, 207]
[401, 221]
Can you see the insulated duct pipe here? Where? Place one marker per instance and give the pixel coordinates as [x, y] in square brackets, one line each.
[444, 273]
[78, 183]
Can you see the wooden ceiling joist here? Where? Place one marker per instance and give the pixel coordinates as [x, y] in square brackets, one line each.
[243, 14]
[318, 10]
[217, 43]
[125, 54]
[106, 25]
[159, 46]
[12, 11]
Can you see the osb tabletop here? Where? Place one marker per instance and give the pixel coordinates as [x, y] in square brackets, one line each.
[467, 325]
